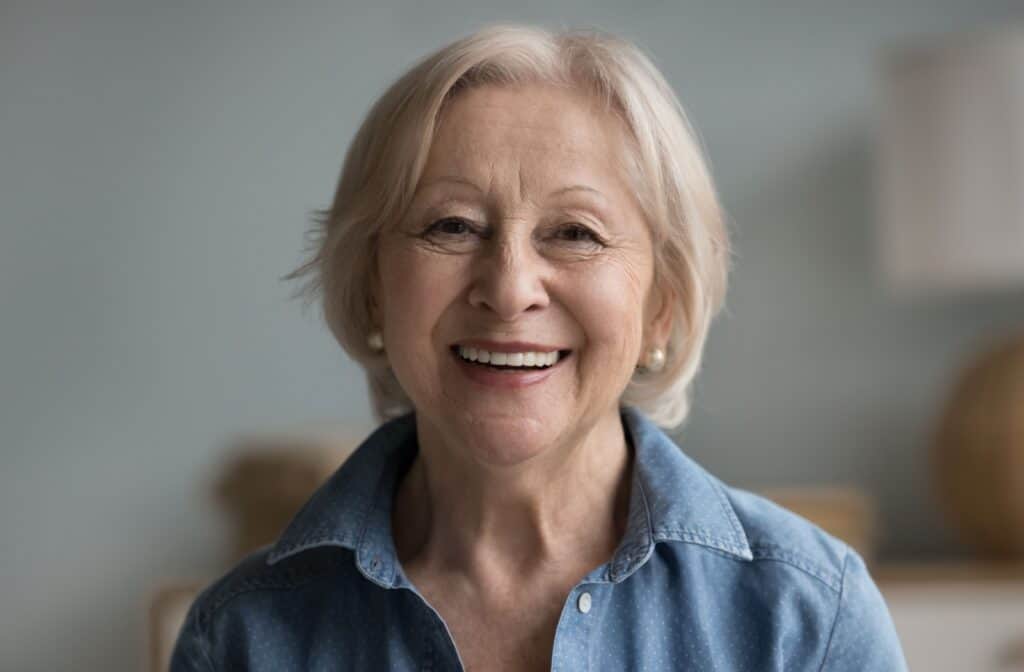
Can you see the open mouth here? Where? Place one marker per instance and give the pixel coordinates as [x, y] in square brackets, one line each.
[520, 364]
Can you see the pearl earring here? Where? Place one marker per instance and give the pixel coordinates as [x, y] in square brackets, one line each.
[375, 340]
[655, 360]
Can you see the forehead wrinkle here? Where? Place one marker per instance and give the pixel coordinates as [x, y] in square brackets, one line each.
[557, 145]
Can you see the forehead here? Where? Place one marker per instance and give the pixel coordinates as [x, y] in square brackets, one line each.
[547, 132]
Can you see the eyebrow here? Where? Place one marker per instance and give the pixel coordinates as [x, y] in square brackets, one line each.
[469, 183]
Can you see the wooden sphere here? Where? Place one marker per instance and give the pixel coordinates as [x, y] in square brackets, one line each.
[979, 453]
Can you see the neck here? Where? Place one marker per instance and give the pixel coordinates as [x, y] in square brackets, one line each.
[563, 510]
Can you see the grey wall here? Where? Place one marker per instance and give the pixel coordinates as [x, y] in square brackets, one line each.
[156, 167]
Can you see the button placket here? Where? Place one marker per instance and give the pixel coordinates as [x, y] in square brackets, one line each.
[572, 649]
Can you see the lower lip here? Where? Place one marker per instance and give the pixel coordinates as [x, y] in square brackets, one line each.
[506, 379]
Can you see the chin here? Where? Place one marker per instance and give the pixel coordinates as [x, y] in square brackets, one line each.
[507, 440]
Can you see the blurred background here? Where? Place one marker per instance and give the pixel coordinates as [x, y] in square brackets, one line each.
[158, 164]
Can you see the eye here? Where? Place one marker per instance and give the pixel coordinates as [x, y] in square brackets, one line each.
[449, 226]
[577, 233]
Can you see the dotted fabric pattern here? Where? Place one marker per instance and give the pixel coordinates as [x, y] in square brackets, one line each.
[707, 577]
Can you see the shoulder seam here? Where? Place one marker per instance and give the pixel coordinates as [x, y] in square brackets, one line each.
[193, 623]
[277, 580]
[768, 551]
[839, 607]
[204, 644]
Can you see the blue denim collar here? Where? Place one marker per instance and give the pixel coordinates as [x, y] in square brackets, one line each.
[672, 499]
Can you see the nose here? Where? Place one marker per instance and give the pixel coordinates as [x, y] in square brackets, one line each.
[509, 277]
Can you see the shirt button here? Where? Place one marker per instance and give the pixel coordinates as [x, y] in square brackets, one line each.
[583, 604]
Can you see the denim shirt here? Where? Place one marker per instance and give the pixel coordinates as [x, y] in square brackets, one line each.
[706, 577]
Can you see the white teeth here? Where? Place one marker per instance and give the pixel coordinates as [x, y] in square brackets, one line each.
[521, 359]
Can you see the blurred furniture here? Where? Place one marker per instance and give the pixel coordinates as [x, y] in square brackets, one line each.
[979, 453]
[957, 618]
[951, 164]
[262, 485]
[269, 479]
[951, 220]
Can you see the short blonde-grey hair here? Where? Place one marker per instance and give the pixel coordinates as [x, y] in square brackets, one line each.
[670, 178]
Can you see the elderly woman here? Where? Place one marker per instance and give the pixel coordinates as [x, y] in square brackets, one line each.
[525, 252]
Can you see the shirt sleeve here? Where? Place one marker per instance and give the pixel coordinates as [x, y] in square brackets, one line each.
[863, 635]
[190, 652]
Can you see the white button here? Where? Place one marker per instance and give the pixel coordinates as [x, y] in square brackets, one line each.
[584, 602]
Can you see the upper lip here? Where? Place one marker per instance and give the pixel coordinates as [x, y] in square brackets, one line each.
[509, 346]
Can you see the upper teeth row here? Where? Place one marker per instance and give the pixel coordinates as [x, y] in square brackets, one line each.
[508, 358]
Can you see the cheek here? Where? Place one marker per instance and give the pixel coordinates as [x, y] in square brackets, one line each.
[611, 309]
[416, 288]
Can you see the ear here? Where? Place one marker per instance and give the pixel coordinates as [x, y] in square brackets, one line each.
[660, 314]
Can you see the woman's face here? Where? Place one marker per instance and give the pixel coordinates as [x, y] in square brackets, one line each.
[522, 237]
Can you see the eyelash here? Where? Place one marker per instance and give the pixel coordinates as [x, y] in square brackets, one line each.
[584, 230]
[435, 228]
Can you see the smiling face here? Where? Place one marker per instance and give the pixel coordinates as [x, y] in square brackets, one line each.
[523, 235]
